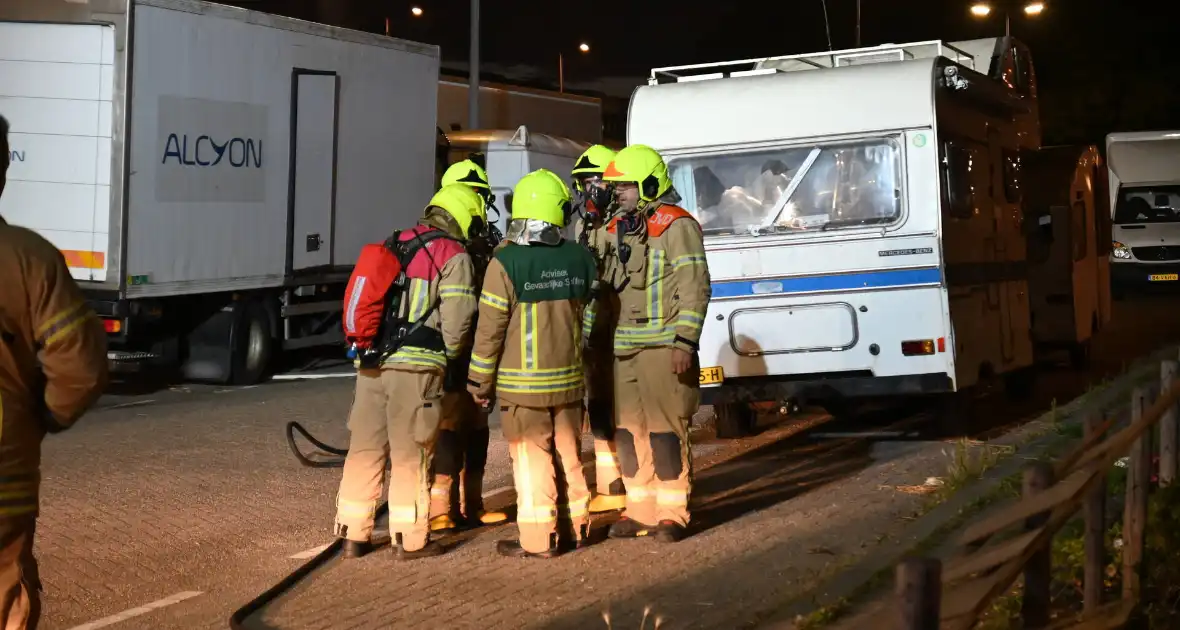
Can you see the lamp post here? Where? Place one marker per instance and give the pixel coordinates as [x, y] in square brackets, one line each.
[473, 70]
[582, 48]
[982, 10]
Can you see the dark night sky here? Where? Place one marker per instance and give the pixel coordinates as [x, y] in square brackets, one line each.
[1103, 65]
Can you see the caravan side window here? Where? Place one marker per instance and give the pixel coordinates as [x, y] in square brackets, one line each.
[959, 165]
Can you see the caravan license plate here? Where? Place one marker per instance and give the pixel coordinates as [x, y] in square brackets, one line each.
[712, 375]
[1163, 277]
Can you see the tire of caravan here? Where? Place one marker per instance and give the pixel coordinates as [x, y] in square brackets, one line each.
[861, 218]
[211, 173]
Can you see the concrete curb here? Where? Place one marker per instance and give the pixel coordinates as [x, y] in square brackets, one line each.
[933, 524]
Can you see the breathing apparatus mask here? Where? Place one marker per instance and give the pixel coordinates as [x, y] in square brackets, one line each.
[484, 236]
[593, 198]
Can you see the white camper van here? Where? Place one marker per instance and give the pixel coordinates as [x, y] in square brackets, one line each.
[862, 217]
[510, 155]
[211, 173]
[1145, 200]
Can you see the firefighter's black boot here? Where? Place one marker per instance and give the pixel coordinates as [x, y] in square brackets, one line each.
[431, 549]
[512, 549]
[669, 531]
[629, 528]
[355, 548]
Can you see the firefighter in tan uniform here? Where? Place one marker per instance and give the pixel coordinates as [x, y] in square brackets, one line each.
[658, 269]
[528, 353]
[594, 203]
[53, 366]
[397, 409]
[456, 496]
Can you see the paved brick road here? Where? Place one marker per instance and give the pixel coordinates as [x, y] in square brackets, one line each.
[144, 503]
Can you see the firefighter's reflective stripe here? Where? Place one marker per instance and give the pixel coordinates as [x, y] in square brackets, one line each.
[494, 301]
[589, 316]
[646, 336]
[483, 365]
[454, 292]
[18, 493]
[527, 509]
[637, 495]
[690, 319]
[418, 307]
[578, 508]
[688, 260]
[654, 332]
[542, 381]
[361, 510]
[672, 498]
[528, 336]
[409, 355]
[655, 284]
[62, 324]
[404, 514]
[419, 293]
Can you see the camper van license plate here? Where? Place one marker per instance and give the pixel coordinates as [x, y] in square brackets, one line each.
[712, 375]
[1163, 277]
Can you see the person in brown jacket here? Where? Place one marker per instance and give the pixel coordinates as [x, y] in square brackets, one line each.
[528, 353]
[396, 412]
[660, 273]
[460, 459]
[53, 367]
[593, 212]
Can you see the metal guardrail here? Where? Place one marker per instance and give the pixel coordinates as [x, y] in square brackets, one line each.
[994, 551]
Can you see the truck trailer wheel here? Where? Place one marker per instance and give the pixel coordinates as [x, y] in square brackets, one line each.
[734, 420]
[253, 345]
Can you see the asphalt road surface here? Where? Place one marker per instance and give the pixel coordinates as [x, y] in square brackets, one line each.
[171, 506]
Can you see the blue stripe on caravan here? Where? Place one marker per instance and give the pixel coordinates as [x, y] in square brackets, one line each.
[840, 282]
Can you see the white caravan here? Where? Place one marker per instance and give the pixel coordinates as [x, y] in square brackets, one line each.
[510, 155]
[1145, 201]
[211, 173]
[862, 217]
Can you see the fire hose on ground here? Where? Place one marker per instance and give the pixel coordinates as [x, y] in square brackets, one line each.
[237, 621]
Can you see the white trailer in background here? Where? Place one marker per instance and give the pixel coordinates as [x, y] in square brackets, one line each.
[557, 114]
[211, 173]
[862, 217]
[509, 155]
[1145, 201]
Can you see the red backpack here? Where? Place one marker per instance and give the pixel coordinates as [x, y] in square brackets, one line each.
[377, 284]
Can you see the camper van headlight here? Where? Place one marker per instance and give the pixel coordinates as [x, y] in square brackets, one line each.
[1120, 251]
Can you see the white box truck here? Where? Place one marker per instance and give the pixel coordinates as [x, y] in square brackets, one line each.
[1145, 201]
[211, 173]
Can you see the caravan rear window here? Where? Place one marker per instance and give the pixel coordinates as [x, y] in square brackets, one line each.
[784, 190]
[1148, 204]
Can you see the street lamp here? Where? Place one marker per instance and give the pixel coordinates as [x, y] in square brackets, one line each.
[1031, 9]
[415, 11]
[583, 48]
